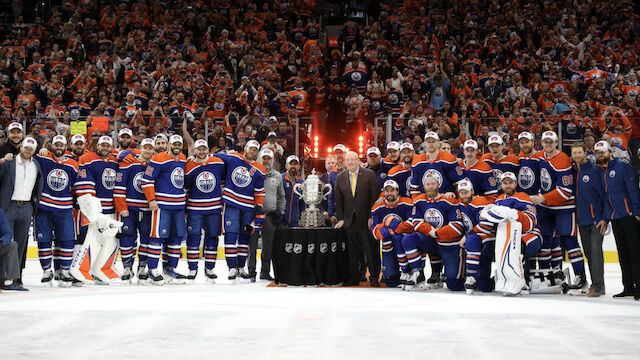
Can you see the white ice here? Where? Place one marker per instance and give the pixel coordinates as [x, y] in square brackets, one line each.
[245, 321]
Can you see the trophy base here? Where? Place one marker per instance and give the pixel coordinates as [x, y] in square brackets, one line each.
[311, 218]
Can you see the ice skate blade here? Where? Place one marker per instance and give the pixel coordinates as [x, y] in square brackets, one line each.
[469, 291]
[434, 286]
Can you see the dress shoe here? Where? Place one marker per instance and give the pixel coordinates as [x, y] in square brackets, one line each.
[351, 283]
[374, 282]
[624, 293]
[636, 297]
[14, 287]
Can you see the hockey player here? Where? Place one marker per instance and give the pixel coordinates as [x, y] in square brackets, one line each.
[161, 142]
[557, 215]
[389, 225]
[528, 165]
[477, 171]
[78, 146]
[243, 197]
[499, 162]
[441, 165]
[393, 156]
[521, 209]
[438, 228]
[97, 177]
[55, 212]
[373, 163]
[203, 180]
[479, 249]
[163, 186]
[125, 140]
[401, 173]
[133, 211]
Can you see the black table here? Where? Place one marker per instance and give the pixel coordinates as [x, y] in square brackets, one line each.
[310, 256]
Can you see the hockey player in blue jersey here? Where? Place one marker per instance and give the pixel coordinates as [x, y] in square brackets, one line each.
[441, 165]
[163, 186]
[54, 219]
[243, 197]
[393, 156]
[133, 210]
[438, 228]
[528, 165]
[389, 225]
[401, 173]
[203, 180]
[478, 172]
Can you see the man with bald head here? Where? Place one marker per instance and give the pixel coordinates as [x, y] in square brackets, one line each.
[355, 191]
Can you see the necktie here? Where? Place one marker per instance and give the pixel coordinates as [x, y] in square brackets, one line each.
[354, 179]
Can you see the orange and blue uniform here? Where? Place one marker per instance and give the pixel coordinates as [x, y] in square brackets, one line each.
[444, 168]
[479, 249]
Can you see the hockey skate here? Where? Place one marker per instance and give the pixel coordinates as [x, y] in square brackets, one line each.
[403, 278]
[66, 280]
[470, 284]
[56, 275]
[435, 281]
[127, 276]
[143, 275]
[174, 277]
[244, 274]
[233, 273]
[579, 286]
[47, 278]
[191, 277]
[156, 278]
[210, 275]
[416, 282]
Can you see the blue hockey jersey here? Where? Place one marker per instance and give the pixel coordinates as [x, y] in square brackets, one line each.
[381, 212]
[203, 185]
[59, 178]
[441, 214]
[163, 181]
[97, 176]
[402, 176]
[481, 177]
[128, 193]
[444, 168]
[244, 182]
[529, 173]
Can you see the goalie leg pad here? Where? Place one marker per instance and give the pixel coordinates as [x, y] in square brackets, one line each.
[105, 229]
[509, 274]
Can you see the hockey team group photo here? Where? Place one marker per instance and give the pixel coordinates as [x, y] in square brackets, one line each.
[319, 178]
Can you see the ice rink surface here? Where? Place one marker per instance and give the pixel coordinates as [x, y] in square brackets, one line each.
[253, 321]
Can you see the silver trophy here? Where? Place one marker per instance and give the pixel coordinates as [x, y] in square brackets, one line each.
[312, 191]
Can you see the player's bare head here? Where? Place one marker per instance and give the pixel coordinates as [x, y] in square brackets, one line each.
[251, 150]
[470, 150]
[578, 152]
[352, 161]
[432, 142]
[431, 186]
[603, 151]
[509, 183]
[445, 146]
[330, 162]
[201, 149]
[391, 191]
[465, 191]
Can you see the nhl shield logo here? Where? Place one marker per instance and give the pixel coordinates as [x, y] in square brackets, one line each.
[334, 247]
[297, 248]
[526, 177]
[324, 247]
[205, 182]
[288, 247]
[241, 177]
[434, 217]
[57, 180]
[311, 248]
[109, 178]
[177, 177]
[585, 178]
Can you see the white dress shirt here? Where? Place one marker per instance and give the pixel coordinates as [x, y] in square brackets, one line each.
[25, 180]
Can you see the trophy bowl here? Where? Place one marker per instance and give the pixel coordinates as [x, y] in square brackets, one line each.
[312, 192]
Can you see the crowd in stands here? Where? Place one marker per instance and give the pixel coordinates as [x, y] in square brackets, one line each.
[239, 70]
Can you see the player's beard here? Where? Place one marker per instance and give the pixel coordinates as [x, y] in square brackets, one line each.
[58, 153]
[390, 198]
[431, 193]
[103, 153]
[509, 192]
[77, 152]
[176, 151]
[293, 173]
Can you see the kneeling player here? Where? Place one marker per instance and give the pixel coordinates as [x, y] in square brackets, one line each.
[388, 226]
[437, 223]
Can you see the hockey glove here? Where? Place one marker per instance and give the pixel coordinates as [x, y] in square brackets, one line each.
[385, 232]
[392, 222]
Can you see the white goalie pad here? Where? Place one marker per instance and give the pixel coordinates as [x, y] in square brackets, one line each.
[509, 273]
[498, 213]
[97, 255]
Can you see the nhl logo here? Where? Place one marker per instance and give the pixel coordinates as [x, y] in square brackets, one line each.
[585, 178]
[288, 247]
[434, 217]
[526, 177]
[612, 173]
[434, 173]
[324, 247]
[109, 178]
[241, 177]
[57, 180]
[177, 177]
[137, 182]
[297, 248]
[311, 248]
[205, 182]
[334, 247]
[383, 175]
[545, 179]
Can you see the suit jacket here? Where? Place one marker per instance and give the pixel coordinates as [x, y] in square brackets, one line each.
[486, 92]
[7, 182]
[356, 211]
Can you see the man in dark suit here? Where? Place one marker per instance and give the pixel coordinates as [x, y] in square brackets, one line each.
[20, 190]
[355, 192]
[492, 90]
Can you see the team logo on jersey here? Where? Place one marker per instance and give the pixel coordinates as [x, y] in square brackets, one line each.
[241, 176]
[585, 178]
[408, 186]
[545, 179]
[177, 177]
[572, 128]
[526, 177]
[297, 248]
[393, 99]
[57, 180]
[205, 182]
[137, 182]
[434, 217]
[356, 76]
[438, 92]
[432, 172]
[375, 105]
[616, 141]
[388, 218]
[612, 173]
[468, 224]
[109, 178]
[497, 175]
[218, 106]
